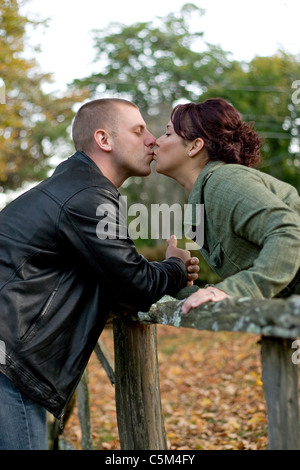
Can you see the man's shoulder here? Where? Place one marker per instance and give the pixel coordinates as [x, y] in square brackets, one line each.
[73, 176]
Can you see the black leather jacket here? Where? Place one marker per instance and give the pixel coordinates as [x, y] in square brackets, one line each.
[59, 280]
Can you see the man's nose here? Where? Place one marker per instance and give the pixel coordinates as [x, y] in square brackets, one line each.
[150, 141]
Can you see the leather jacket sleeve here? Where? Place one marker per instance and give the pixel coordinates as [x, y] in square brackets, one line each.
[94, 225]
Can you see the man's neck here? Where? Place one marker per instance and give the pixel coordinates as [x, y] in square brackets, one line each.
[104, 165]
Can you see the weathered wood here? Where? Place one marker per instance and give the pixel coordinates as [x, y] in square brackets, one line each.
[267, 317]
[280, 380]
[140, 420]
[138, 403]
[278, 322]
[84, 411]
[105, 360]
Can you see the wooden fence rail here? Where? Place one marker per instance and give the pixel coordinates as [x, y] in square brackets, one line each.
[138, 404]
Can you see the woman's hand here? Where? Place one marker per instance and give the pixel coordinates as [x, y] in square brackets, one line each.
[210, 294]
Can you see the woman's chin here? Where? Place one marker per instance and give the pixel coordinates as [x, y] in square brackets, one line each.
[156, 167]
[162, 171]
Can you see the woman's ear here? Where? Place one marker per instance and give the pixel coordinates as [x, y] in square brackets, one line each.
[102, 139]
[196, 147]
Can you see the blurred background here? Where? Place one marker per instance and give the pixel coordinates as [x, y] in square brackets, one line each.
[56, 55]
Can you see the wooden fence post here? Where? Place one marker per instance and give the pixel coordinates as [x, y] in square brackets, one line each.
[138, 402]
[280, 379]
[84, 411]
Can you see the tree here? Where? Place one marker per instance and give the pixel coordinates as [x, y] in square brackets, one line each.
[262, 91]
[31, 121]
[155, 64]
[159, 63]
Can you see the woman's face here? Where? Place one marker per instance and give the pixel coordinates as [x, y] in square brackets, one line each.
[171, 152]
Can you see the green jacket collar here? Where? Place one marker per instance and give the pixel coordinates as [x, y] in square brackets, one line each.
[196, 194]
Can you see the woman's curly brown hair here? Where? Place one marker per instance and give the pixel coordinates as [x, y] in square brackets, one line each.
[219, 124]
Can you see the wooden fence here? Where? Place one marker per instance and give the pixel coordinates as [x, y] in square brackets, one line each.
[138, 404]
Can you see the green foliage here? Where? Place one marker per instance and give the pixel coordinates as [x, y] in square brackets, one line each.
[30, 120]
[262, 91]
[154, 62]
[159, 63]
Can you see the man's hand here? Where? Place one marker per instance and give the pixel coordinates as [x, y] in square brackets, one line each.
[191, 263]
[192, 269]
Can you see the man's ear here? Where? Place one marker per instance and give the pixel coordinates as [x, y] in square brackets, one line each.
[196, 147]
[103, 140]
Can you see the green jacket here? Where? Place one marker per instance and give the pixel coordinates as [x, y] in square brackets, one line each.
[251, 230]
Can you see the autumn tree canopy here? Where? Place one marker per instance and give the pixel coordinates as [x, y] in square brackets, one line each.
[161, 62]
[155, 64]
[31, 121]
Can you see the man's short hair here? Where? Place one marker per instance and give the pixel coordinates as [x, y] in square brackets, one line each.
[93, 115]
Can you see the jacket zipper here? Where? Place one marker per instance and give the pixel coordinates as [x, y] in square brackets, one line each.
[31, 331]
[61, 420]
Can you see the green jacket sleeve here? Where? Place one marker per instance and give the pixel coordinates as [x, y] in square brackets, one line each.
[244, 208]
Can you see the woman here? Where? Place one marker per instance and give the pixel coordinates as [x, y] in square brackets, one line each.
[251, 221]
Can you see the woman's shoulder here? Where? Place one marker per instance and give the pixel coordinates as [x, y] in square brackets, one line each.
[240, 175]
[233, 182]
[232, 175]
[236, 169]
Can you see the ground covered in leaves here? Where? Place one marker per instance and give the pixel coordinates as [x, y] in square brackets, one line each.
[211, 391]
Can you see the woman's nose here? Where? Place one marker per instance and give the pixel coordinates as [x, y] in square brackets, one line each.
[157, 142]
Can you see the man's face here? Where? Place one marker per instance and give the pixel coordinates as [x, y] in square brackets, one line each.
[133, 144]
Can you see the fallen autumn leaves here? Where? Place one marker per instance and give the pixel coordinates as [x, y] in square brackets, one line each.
[211, 391]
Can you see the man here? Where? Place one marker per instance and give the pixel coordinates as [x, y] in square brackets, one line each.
[59, 279]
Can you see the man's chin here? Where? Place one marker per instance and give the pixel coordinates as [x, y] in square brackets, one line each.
[145, 171]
